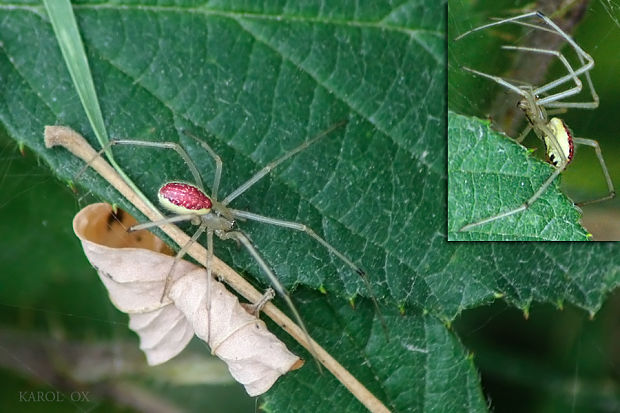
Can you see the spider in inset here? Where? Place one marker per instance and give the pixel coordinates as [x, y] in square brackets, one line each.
[190, 202]
[555, 135]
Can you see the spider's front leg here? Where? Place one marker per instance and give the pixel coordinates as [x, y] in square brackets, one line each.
[521, 207]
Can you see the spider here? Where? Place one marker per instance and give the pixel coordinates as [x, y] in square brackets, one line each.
[555, 135]
[190, 202]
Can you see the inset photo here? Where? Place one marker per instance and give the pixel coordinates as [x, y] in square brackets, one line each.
[532, 147]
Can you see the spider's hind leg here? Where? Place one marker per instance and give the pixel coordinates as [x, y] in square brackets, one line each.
[257, 307]
[599, 155]
[275, 282]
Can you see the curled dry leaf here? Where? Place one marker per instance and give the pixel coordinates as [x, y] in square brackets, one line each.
[133, 267]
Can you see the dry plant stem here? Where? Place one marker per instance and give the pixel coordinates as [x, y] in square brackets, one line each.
[78, 146]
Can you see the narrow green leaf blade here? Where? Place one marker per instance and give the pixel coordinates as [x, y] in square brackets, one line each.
[65, 27]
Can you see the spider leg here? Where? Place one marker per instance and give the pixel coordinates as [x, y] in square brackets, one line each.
[523, 134]
[216, 159]
[583, 69]
[179, 256]
[579, 105]
[553, 141]
[532, 25]
[258, 306]
[556, 29]
[499, 80]
[304, 228]
[260, 174]
[572, 76]
[497, 23]
[556, 111]
[521, 207]
[275, 282]
[584, 58]
[610, 184]
[163, 145]
[158, 223]
[209, 278]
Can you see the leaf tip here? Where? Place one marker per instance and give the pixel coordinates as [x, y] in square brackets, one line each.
[21, 146]
[71, 186]
[526, 312]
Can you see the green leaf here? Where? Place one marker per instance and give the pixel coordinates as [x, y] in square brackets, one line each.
[254, 80]
[476, 96]
[420, 350]
[488, 174]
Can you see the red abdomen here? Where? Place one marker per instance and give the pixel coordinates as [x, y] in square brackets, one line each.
[184, 198]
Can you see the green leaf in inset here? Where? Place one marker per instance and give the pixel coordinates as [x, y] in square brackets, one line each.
[489, 174]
